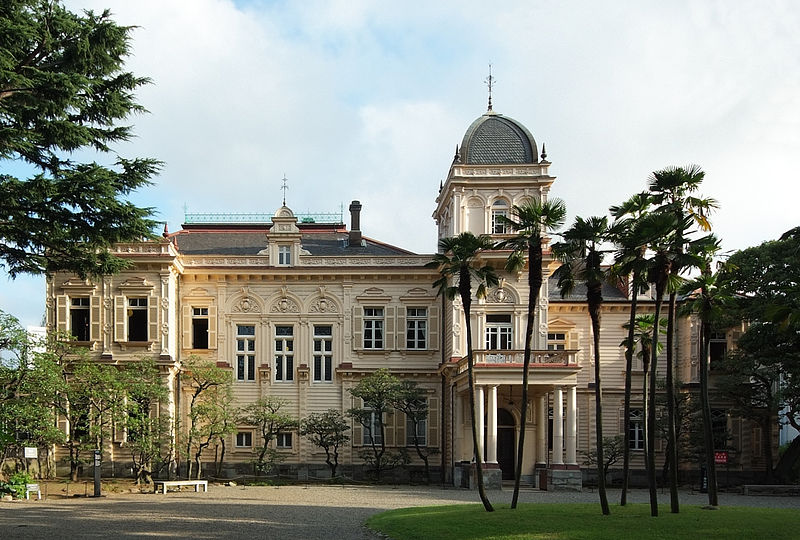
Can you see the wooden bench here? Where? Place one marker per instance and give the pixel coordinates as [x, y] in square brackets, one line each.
[771, 490]
[33, 488]
[178, 483]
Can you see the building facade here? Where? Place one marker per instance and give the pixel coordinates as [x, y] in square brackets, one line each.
[301, 308]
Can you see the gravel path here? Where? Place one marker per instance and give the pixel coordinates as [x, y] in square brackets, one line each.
[287, 512]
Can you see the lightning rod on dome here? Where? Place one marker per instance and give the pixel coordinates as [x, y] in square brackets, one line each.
[284, 187]
[490, 82]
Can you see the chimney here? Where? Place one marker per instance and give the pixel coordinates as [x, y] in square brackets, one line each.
[355, 224]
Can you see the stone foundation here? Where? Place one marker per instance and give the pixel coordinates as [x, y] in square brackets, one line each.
[564, 479]
[464, 475]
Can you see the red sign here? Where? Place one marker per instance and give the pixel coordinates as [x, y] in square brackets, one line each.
[721, 458]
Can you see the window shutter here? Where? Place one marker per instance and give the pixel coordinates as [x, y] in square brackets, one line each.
[152, 319]
[358, 429]
[433, 328]
[62, 312]
[433, 421]
[120, 314]
[389, 321]
[358, 329]
[401, 328]
[186, 321]
[400, 423]
[756, 443]
[622, 422]
[388, 419]
[212, 327]
[659, 443]
[94, 327]
[572, 339]
[120, 433]
[63, 425]
[736, 434]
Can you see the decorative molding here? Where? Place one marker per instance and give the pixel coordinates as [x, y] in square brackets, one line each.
[323, 305]
[501, 295]
[419, 261]
[136, 283]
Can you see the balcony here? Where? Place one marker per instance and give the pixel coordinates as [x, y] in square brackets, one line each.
[539, 359]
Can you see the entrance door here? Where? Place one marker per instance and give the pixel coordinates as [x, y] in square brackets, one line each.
[506, 449]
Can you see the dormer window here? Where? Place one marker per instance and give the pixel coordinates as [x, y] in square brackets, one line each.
[285, 255]
[499, 211]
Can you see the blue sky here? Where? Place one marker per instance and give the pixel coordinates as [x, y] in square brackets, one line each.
[365, 100]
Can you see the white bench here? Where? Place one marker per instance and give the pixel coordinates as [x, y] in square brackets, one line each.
[178, 483]
[33, 488]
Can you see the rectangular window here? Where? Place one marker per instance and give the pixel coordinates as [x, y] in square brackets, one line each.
[284, 440]
[200, 328]
[79, 318]
[422, 431]
[636, 430]
[556, 341]
[284, 353]
[719, 428]
[373, 328]
[416, 328]
[137, 319]
[244, 439]
[498, 332]
[373, 433]
[245, 352]
[323, 353]
[285, 255]
[498, 226]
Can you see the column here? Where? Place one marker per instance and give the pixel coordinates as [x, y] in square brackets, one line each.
[491, 427]
[572, 426]
[541, 430]
[558, 426]
[479, 420]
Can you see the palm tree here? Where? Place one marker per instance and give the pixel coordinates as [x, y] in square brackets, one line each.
[707, 299]
[529, 221]
[629, 233]
[459, 259]
[672, 188]
[581, 258]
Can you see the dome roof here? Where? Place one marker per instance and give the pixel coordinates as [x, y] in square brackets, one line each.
[494, 139]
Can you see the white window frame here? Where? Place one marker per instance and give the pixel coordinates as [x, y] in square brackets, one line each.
[246, 353]
[416, 328]
[556, 340]
[323, 354]
[199, 314]
[136, 304]
[284, 353]
[499, 333]
[376, 430]
[374, 328]
[499, 208]
[80, 304]
[244, 435]
[284, 255]
[283, 440]
[636, 430]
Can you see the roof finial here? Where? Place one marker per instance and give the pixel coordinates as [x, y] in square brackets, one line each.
[457, 156]
[489, 82]
[544, 153]
[165, 234]
[284, 187]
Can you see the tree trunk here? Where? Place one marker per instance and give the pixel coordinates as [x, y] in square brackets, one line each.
[651, 408]
[534, 286]
[466, 301]
[708, 434]
[626, 445]
[672, 447]
[595, 297]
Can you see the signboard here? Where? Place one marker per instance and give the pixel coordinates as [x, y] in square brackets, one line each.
[721, 457]
[31, 452]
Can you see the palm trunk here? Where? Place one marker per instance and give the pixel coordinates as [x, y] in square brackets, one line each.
[708, 434]
[672, 446]
[466, 301]
[626, 445]
[594, 299]
[651, 409]
[534, 286]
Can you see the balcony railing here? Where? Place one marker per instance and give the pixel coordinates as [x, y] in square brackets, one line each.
[538, 358]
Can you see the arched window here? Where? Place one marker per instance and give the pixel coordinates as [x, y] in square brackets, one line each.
[499, 208]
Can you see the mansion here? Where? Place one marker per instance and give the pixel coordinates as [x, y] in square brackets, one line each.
[302, 307]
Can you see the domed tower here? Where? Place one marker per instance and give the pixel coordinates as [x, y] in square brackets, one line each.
[497, 166]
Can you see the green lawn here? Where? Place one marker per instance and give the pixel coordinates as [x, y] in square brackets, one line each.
[584, 521]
